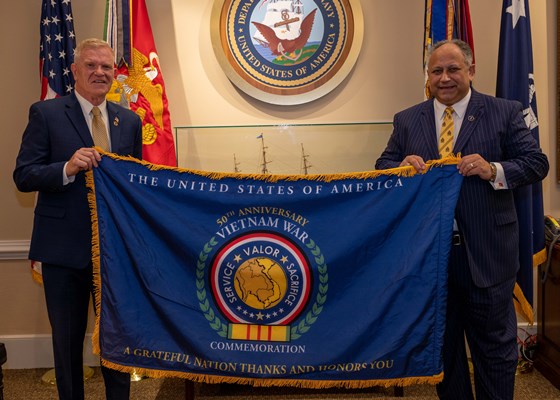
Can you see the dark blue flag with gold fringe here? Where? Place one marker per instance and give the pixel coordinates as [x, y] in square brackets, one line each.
[304, 280]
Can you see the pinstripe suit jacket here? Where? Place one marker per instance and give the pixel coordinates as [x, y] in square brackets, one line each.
[56, 129]
[487, 220]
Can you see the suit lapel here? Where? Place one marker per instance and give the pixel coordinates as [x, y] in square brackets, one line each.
[428, 129]
[76, 117]
[114, 127]
[475, 110]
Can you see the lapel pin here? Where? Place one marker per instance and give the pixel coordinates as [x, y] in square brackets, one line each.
[116, 121]
[471, 118]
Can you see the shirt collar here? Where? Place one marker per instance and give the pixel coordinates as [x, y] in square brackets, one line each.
[459, 108]
[87, 106]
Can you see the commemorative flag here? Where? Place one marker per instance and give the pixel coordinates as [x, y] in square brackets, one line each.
[516, 82]
[298, 280]
[138, 83]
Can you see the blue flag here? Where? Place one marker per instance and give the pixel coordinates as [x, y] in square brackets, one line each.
[516, 82]
[305, 280]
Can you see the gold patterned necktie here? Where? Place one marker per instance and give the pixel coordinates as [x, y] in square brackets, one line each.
[447, 132]
[99, 130]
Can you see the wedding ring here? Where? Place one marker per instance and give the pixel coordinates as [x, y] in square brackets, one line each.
[472, 165]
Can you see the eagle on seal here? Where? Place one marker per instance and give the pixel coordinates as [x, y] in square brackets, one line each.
[287, 46]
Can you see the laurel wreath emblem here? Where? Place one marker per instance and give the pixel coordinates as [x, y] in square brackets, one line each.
[297, 330]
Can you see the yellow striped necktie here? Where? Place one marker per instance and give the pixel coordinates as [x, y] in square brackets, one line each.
[99, 130]
[446, 134]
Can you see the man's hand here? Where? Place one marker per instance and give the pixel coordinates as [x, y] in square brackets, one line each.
[416, 161]
[83, 159]
[474, 164]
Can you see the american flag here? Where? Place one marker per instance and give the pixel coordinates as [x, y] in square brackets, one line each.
[58, 42]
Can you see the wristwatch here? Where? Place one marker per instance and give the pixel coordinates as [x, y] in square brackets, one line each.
[494, 172]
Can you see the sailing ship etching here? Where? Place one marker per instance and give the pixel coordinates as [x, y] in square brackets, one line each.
[283, 35]
[264, 161]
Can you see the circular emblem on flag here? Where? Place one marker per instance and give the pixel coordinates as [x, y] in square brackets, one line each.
[260, 278]
[287, 51]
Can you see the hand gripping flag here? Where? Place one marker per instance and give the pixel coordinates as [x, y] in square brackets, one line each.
[138, 83]
[303, 280]
[516, 82]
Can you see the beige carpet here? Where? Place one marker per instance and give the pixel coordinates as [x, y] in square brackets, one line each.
[27, 385]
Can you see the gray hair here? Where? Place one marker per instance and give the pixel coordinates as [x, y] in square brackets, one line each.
[463, 46]
[92, 43]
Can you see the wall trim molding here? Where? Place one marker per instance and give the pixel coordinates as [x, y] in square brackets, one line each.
[35, 351]
[14, 249]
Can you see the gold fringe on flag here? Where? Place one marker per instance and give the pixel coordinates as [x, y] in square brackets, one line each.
[266, 382]
[90, 184]
[407, 171]
[522, 306]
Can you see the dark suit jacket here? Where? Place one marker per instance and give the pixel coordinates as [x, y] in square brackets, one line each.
[495, 129]
[56, 129]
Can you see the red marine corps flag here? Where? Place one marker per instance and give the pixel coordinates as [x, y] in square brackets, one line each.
[138, 83]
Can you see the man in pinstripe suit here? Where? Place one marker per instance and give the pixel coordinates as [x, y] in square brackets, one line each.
[498, 154]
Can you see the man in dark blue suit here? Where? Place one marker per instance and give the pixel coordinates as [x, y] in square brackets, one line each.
[56, 151]
[498, 154]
